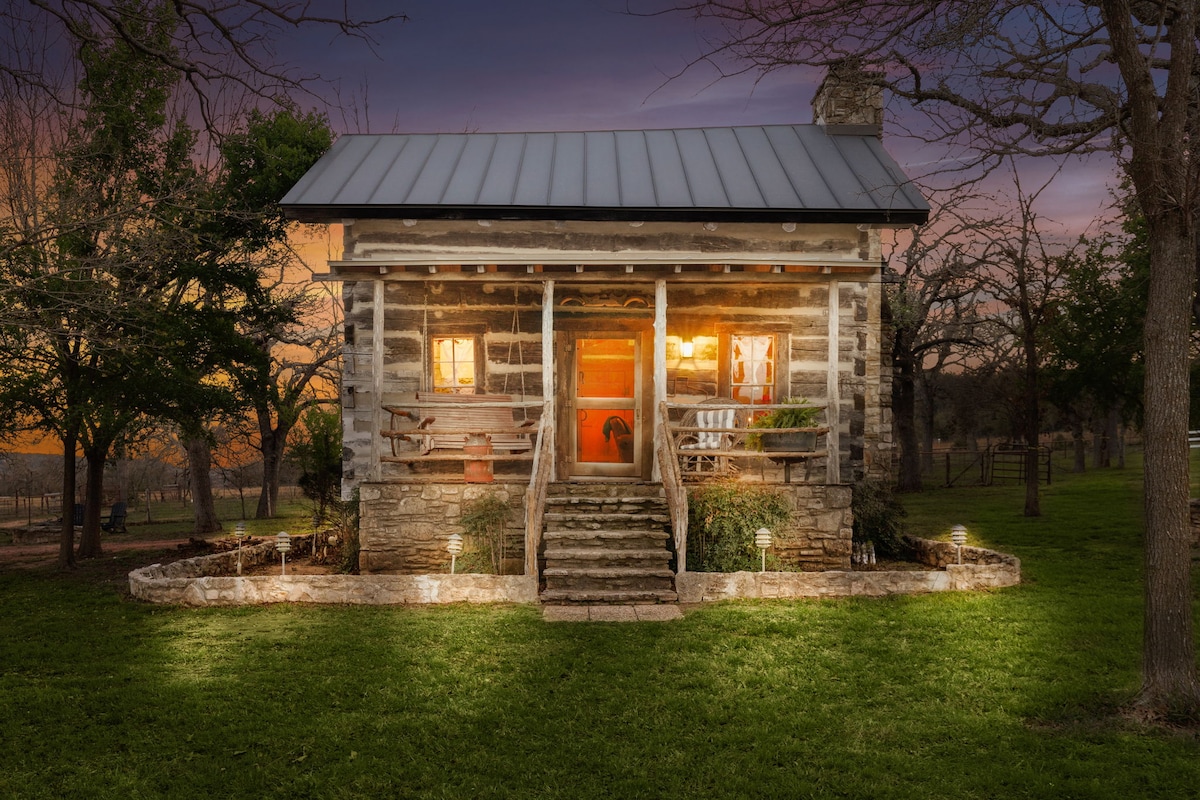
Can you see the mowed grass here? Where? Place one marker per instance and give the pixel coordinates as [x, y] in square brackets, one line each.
[1013, 693]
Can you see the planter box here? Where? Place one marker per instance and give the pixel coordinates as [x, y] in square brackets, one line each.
[802, 442]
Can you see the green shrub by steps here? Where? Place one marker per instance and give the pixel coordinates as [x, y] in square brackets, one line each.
[722, 519]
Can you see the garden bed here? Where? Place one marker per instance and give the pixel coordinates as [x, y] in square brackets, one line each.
[210, 581]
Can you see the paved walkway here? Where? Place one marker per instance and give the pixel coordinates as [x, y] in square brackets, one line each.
[612, 613]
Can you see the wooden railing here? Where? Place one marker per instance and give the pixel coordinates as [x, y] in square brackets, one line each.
[439, 432]
[733, 443]
[677, 501]
[535, 495]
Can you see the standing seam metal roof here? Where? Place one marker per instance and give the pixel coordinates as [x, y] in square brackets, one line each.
[801, 172]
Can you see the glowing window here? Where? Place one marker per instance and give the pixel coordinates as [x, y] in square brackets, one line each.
[752, 368]
[454, 364]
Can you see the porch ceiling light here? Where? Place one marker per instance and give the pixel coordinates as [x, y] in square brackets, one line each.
[762, 540]
[454, 546]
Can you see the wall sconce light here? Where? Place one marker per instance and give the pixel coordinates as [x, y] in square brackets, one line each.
[283, 543]
[958, 535]
[454, 546]
[762, 540]
[687, 348]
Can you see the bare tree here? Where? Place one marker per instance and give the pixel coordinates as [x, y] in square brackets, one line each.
[1026, 77]
[932, 305]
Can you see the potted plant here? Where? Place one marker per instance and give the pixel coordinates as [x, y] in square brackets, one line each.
[798, 414]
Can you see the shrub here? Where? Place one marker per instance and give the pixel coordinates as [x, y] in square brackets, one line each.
[722, 520]
[348, 531]
[878, 517]
[485, 521]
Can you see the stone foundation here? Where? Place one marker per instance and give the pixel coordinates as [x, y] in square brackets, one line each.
[404, 527]
[820, 534]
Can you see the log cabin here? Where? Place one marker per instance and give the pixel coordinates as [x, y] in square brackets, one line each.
[584, 324]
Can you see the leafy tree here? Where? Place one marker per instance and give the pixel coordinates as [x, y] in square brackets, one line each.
[1024, 77]
[318, 454]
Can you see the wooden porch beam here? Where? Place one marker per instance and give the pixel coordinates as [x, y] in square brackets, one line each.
[548, 385]
[660, 366]
[833, 468]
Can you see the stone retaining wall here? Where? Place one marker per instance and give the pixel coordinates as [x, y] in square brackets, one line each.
[820, 535]
[982, 569]
[404, 527]
[205, 581]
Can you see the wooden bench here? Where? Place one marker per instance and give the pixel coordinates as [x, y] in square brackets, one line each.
[448, 419]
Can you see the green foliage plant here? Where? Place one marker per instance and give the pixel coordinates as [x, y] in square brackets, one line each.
[878, 517]
[348, 530]
[722, 519]
[798, 414]
[484, 521]
[318, 454]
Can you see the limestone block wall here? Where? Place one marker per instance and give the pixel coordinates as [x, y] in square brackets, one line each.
[820, 534]
[404, 527]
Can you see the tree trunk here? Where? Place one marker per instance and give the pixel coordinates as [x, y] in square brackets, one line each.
[1079, 446]
[928, 412]
[268, 496]
[66, 544]
[199, 458]
[904, 412]
[93, 501]
[1168, 651]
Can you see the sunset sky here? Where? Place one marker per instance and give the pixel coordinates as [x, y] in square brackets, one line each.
[532, 65]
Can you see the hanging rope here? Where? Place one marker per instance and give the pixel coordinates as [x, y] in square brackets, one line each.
[516, 332]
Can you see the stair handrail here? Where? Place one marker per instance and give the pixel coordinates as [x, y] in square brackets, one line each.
[673, 488]
[535, 494]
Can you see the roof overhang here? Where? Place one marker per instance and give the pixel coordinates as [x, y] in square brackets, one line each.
[898, 218]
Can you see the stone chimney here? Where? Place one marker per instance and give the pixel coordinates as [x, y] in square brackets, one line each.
[848, 102]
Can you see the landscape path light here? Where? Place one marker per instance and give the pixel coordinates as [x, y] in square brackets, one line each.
[240, 534]
[958, 535]
[454, 546]
[762, 540]
[283, 543]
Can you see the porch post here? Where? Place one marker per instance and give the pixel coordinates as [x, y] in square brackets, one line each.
[833, 469]
[548, 391]
[377, 382]
[660, 367]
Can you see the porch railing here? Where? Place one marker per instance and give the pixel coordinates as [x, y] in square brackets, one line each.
[728, 444]
[677, 501]
[440, 430]
[535, 495]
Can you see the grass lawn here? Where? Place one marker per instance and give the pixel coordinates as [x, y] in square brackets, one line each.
[993, 695]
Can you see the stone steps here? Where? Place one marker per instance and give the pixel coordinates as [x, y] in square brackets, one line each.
[607, 543]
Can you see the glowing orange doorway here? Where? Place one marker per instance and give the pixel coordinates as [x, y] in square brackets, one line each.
[606, 419]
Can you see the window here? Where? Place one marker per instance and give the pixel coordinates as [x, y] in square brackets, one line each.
[752, 368]
[454, 364]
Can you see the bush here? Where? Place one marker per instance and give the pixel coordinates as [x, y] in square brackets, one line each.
[722, 520]
[485, 521]
[878, 517]
[348, 530]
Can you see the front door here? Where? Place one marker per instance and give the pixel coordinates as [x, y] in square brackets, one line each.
[605, 416]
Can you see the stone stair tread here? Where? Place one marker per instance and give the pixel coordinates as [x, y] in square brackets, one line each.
[607, 533]
[594, 553]
[609, 596]
[608, 572]
[609, 516]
